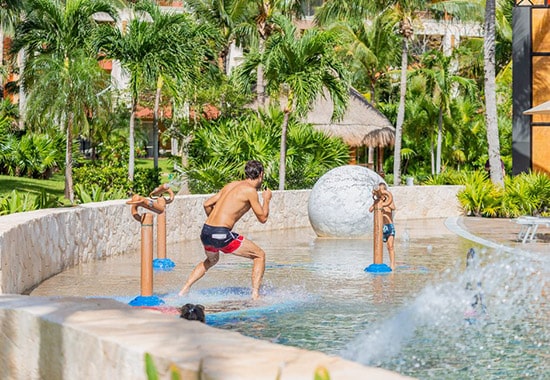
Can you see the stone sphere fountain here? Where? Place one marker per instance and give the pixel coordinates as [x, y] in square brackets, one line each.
[339, 202]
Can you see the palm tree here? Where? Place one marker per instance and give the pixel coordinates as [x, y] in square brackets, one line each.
[491, 116]
[300, 69]
[150, 50]
[444, 85]
[55, 37]
[228, 17]
[369, 47]
[403, 12]
[473, 11]
[262, 15]
[183, 59]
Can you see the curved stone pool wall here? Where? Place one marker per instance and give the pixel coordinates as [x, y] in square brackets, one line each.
[37, 245]
[72, 337]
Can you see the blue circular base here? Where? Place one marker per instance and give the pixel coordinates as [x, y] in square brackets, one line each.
[378, 268]
[146, 301]
[163, 264]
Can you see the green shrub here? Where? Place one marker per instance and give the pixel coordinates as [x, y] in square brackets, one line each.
[31, 155]
[145, 180]
[448, 177]
[22, 202]
[104, 177]
[526, 194]
[16, 202]
[219, 150]
[97, 194]
[96, 181]
[480, 197]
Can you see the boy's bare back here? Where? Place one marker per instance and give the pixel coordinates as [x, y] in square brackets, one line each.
[231, 203]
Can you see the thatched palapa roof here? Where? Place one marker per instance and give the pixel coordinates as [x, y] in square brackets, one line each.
[361, 125]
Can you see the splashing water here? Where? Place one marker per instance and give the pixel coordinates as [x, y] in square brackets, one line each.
[437, 335]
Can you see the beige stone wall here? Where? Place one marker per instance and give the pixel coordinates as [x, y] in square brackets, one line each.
[44, 338]
[37, 245]
[426, 202]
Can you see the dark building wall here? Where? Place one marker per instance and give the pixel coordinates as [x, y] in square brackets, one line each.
[531, 86]
[521, 55]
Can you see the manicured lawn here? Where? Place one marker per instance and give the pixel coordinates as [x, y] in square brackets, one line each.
[34, 187]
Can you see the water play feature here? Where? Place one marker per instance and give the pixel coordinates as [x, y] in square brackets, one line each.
[317, 296]
[382, 199]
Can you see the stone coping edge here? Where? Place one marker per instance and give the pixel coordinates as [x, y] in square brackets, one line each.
[85, 338]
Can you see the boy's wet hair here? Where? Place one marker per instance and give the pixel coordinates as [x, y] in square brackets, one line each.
[253, 169]
[193, 312]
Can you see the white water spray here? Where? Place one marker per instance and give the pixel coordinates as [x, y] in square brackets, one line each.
[512, 289]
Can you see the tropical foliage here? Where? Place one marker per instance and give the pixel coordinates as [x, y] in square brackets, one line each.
[298, 68]
[178, 65]
[61, 76]
[219, 150]
[18, 201]
[525, 194]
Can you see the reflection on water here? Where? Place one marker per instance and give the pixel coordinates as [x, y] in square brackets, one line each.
[317, 296]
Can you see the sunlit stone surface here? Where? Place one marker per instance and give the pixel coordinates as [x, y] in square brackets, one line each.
[340, 200]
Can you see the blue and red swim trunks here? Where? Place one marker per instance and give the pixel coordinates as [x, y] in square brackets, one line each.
[222, 239]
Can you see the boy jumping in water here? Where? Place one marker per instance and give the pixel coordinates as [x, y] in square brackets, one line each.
[223, 210]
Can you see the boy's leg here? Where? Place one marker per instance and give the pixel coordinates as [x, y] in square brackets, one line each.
[250, 250]
[391, 251]
[199, 271]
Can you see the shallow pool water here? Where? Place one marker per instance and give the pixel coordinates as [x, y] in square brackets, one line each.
[416, 321]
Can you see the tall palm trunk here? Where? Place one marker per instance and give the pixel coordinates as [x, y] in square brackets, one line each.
[184, 189]
[282, 162]
[439, 141]
[400, 113]
[69, 192]
[156, 123]
[432, 154]
[260, 87]
[131, 139]
[490, 95]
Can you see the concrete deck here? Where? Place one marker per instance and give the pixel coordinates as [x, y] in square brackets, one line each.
[503, 231]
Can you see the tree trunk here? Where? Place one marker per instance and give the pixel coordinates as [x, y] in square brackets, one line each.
[282, 162]
[69, 192]
[131, 139]
[432, 155]
[156, 124]
[184, 189]
[491, 118]
[400, 114]
[439, 141]
[260, 87]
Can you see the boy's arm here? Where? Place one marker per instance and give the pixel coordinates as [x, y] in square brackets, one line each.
[261, 211]
[210, 202]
